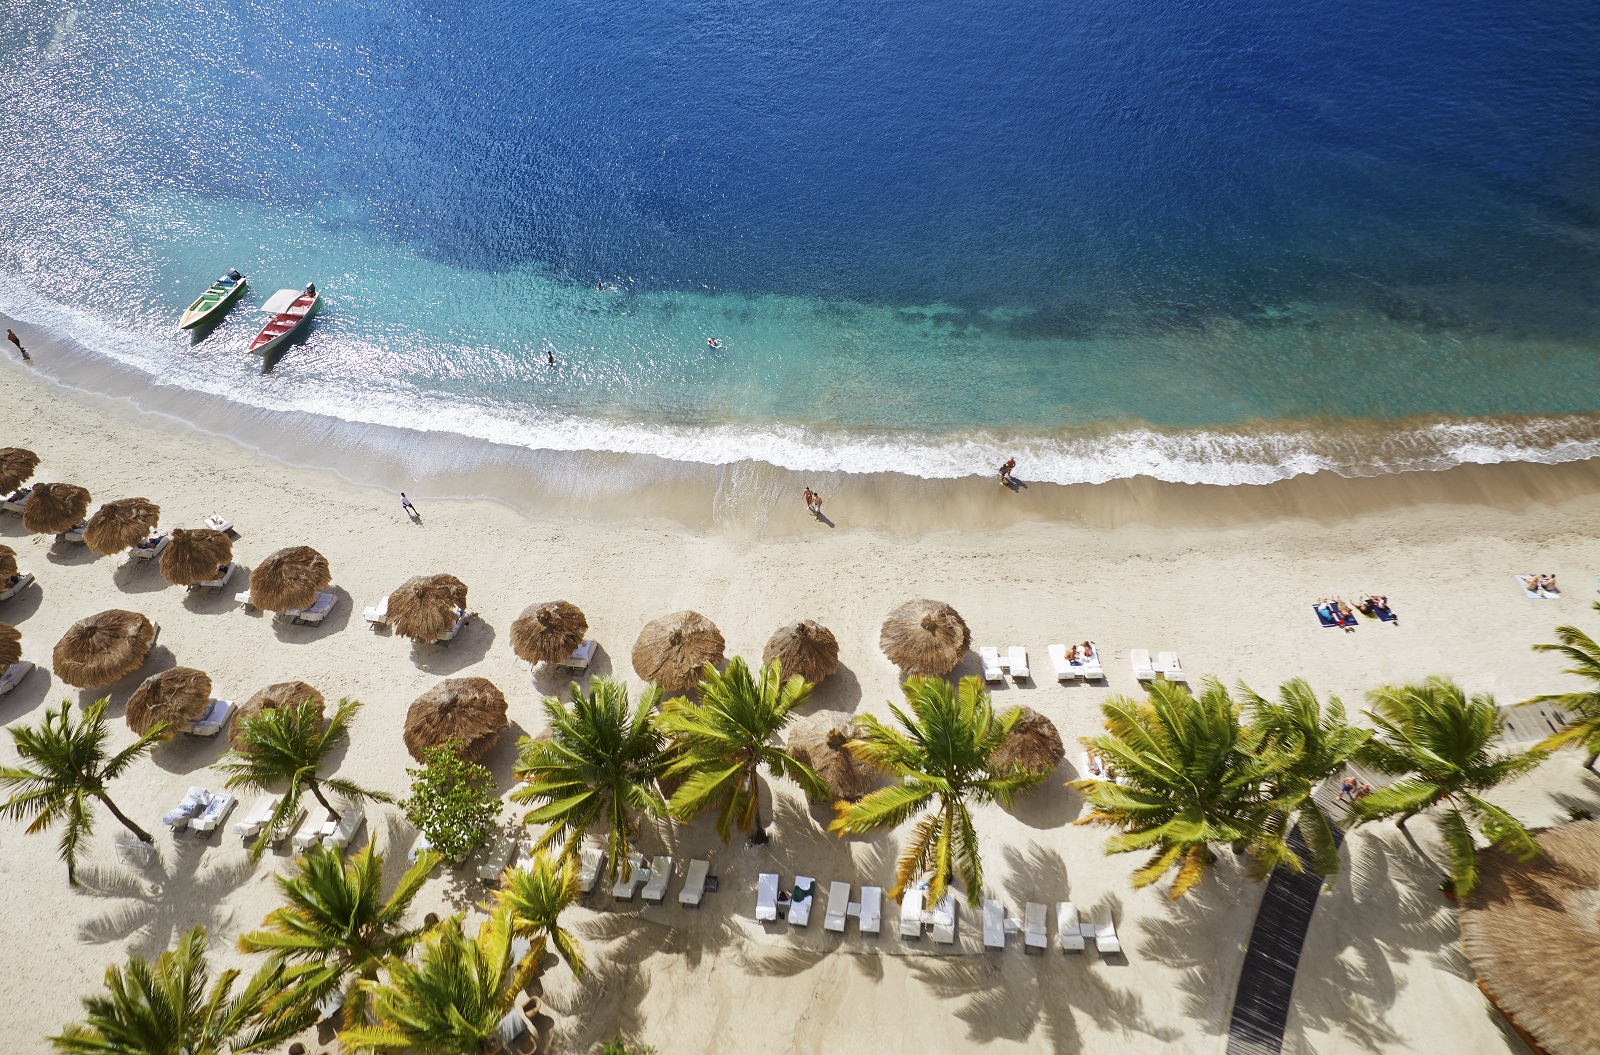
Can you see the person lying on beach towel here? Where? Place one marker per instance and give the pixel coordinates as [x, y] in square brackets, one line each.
[1377, 607]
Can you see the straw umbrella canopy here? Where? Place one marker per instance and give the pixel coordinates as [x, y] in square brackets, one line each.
[672, 650]
[425, 608]
[119, 525]
[194, 555]
[283, 694]
[16, 465]
[548, 632]
[54, 508]
[177, 697]
[819, 741]
[806, 648]
[470, 710]
[925, 637]
[10, 645]
[289, 579]
[1034, 743]
[8, 562]
[1532, 932]
[102, 648]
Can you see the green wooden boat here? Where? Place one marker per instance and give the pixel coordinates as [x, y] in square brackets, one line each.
[214, 302]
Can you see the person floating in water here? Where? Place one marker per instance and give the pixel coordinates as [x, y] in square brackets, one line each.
[715, 342]
[550, 356]
[1005, 470]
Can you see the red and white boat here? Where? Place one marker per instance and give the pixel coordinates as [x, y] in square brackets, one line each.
[290, 309]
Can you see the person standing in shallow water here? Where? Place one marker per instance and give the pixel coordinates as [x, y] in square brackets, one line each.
[11, 335]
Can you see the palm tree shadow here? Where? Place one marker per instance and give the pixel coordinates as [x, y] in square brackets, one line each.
[151, 908]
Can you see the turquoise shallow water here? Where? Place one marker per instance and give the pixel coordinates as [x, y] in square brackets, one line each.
[1211, 243]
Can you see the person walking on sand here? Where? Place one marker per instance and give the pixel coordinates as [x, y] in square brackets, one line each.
[1005, 470]
[11, 335]
[410, 510]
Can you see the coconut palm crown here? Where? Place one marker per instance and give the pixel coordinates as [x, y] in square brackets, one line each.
[536, 895]
[1583, 708]
[728, 738]
[596, 770]
[1440, 742]
[287, 747]
[65, 767]
[943, 754]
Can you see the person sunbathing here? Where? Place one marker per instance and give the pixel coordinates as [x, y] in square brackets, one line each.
[10, 582]
[1085, 651]
[1547, 583]
[1095, 768]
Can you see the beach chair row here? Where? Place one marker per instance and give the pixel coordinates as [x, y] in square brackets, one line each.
[1070, 663]
[795, 904]
[202, 812]
[1073, 932]
[648, 880]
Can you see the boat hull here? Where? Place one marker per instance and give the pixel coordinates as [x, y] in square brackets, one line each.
[282, 327]
[207, 307]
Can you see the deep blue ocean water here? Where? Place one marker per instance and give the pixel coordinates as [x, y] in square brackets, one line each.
[1221, 241]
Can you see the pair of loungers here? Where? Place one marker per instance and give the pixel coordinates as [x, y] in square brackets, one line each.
[310, 615]
[200, 811]
[223, 575]
[1069, 666]
[1166, 665]
[653, 879]
[251, 824]
[151, 548]
[941, 917]
[334, 833]
[995, 668]
[1071, 931]
[796, 904]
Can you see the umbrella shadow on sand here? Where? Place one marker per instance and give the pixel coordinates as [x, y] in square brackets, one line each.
[840, 692]
[150, 907]
[158, 659]
[38, 687]
[138, 576]
[332, 623]
[470, 645]
[69, 554]
[204, 601]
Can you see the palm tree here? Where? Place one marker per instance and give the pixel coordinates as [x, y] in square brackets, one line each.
[1316, 742]
[1583, 729]
[943, 760]
[727, 739]
[287, 746]
[337, 925]
[451, 1001]
[598, 767]
[537, 894]
[164, 1008]
[1189, 777]
[65, 766]
[1441, 743]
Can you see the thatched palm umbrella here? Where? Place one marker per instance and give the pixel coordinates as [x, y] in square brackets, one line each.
[283, 694]
[288, 579]
[10, 645]
[925, 637]
[8, 562]
[548, 632]
[194, 555]
[672, 650]
[470, 710]
[16, 465]
[819, 741]
[426, 607]
[120, 525]
[177, 697]
[102, 648]
[54, 508]
[1532, 935]
[806, 648]
[1034, 743]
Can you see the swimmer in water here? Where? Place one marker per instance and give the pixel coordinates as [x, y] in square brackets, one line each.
[715, 342]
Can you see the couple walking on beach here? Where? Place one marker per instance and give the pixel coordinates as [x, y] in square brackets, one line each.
[814, 503]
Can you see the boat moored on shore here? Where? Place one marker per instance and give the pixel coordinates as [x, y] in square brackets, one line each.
[215, 301]
[290, 309]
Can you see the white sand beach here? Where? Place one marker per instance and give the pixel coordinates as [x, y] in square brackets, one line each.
[1381, 971]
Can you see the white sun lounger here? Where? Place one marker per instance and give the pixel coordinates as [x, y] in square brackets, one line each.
[219, 582]
[1019, 663]
[1033, 926]
[1089, 669]
[871, 909]
[660, 877]
[12, 676]
[1142, 670]
[838, 907]
[218, 522]
[350, 822]
[498, 859]
[377, 614]
[213, 721]
[579, 660]
[150, 552]
[215, 813]
[286, 829]
[694, 882]
[314, 833]
[911, 912]
[455, 628]
[944, 919]
[1069, 931]
[590, 861]
[994, 924]
[766, 897]
[23, 580]
[1167, 663]
[801, 898]
[195, 800]
[313, 613]
[629, 880]
[251, 824]
[1105, 931]
[17, 500]
[1064, 670]
[75, 533]
[990, 657]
